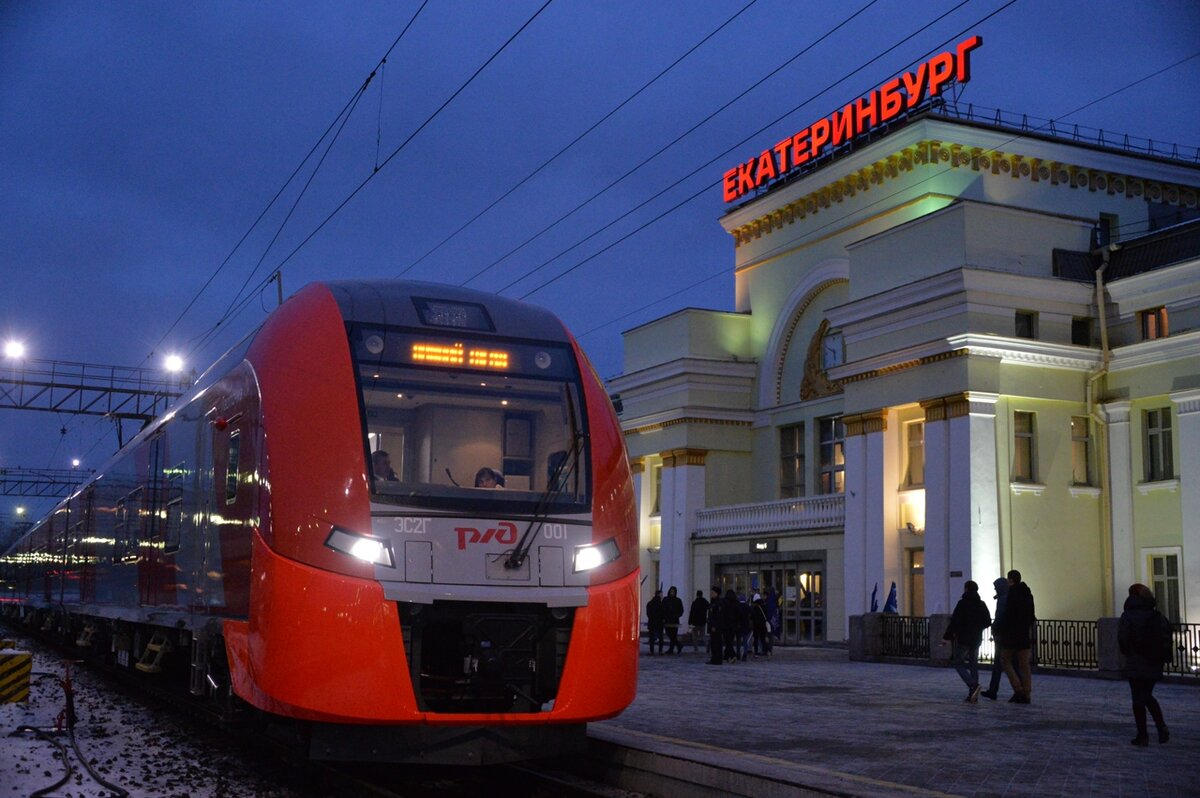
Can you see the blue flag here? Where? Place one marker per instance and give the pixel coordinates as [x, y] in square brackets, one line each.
[875, 598]
[890, 604]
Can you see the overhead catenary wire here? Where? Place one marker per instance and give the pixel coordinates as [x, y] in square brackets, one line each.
[577, 139]
[235, 309]
[660, 151]
[344, 112]
[730, 149]
[798, 241]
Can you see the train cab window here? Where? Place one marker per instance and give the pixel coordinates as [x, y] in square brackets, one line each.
[454, 421]
[231, 466]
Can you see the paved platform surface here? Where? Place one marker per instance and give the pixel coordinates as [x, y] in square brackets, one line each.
[809, 716]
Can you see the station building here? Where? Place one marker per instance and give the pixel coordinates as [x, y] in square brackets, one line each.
[958, 347]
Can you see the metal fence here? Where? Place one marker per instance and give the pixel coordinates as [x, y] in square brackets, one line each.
[1056, 644]
[905, 636]
[1065, 644]
[1187, 651]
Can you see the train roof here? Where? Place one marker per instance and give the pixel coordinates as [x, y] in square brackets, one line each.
[398, 303]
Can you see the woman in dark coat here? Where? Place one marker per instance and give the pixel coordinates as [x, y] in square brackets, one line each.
[1140, 636]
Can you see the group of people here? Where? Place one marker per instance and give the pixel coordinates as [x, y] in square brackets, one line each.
[729, 626]
[1012, 630]
[1144, 637]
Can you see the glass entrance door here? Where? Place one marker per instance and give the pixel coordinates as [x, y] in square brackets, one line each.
[798, 589]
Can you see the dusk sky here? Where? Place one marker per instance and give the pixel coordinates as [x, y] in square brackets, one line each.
[139, 142]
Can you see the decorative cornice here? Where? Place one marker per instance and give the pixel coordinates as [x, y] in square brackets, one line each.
[866, 423]
[1181, 348]
[932, 152]
[905, 365]
[1186, 402]
[671, 422]
[1117, 412]
[684, 457]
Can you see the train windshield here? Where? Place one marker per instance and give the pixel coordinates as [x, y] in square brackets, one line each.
[475, 425]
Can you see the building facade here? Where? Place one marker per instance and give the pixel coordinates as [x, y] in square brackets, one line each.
[950, 356]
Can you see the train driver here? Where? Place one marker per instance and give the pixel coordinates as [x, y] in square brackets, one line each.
[381, 464]
[489, 478]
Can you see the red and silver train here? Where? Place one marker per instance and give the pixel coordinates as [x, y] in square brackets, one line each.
[316, 530]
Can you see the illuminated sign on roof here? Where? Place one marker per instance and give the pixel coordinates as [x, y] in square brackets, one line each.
[882, 105]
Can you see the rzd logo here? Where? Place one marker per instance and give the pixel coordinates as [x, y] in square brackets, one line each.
[507, 534]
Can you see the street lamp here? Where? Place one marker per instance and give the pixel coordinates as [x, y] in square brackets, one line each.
[174, 363]
[75, 463]
[14, 349]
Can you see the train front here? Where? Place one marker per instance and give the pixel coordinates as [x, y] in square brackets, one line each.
[448, 570]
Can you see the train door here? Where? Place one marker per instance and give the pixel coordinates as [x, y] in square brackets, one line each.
[85, 542]
[150, 537]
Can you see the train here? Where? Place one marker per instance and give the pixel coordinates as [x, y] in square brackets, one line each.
[397, 519]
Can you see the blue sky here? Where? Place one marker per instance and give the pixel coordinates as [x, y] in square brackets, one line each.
[140, 141]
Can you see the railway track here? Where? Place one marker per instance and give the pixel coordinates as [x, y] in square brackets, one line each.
[274, 756]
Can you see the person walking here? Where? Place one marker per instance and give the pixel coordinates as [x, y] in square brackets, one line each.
[965, 631]
[698, 619]
[730, 626]
[993, 691]
[672, 608]
[1144, 637]
[761, 627]
[716, 628]
[654, 619]
[1015, 635]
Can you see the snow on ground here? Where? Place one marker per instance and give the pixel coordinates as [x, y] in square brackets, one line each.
[146, 750]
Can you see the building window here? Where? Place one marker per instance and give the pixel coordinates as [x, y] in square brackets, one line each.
[1160, 463]
[1081, 450]
[1165, 582]
[914, 470]
[1153, 323]
[1024, 451]
[1081, 331]
[1026, 324]
[656, 486]
[831, 455]
[1107, 231]
[791, 461]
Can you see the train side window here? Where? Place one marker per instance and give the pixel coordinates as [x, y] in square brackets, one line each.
[232, 466]
[128, 520]
[174, 509]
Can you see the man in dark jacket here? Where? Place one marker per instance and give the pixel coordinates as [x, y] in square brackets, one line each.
[965, 631]
[716, 626]
[1144, 636]
[993, 690]
[654, 619]
[698, 619]
[1015, 635]
[672, 609]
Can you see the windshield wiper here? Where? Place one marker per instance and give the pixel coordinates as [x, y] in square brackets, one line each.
[558, 480]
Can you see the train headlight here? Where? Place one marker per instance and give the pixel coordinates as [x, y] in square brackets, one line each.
[595, 555]
[362, 547]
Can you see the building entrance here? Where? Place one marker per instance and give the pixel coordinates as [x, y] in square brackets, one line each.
[799, 592]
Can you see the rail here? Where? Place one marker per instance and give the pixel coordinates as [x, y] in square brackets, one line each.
[1186, 661]
[905, 636]
[1065, 644]
[812, 512]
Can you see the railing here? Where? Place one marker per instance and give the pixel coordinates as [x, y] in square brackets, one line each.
[1069, 132]
[813, 512]
[1187, 651]
[905, 636]
[1065, 644]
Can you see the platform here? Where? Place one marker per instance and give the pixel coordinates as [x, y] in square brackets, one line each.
[809, 721]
